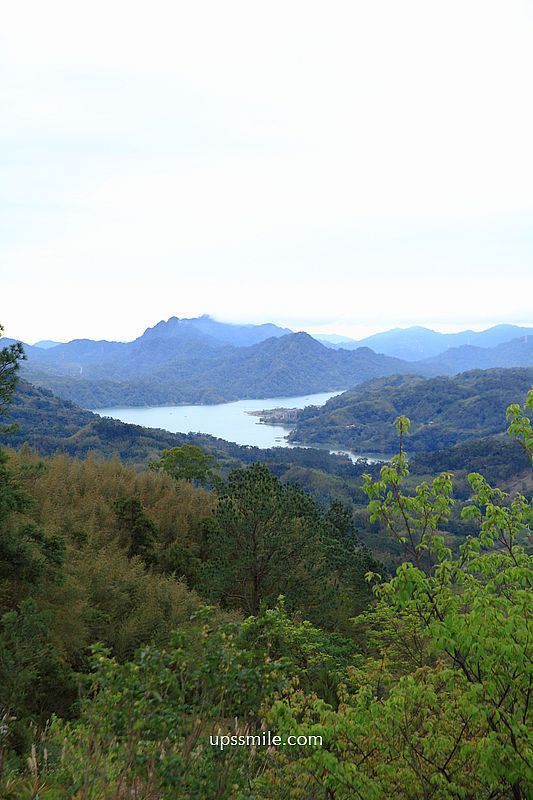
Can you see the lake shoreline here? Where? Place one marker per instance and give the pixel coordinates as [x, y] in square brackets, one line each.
[218, 403]
[235, 421]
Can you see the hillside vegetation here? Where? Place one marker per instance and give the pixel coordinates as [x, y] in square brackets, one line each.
[204, 361]
[49, 425]
[445, 411]
[145, 621]
[177, 362]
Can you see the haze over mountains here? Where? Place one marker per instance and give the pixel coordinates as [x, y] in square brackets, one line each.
[416, 342]
[237, 335]
[191, 368]
[202, 360]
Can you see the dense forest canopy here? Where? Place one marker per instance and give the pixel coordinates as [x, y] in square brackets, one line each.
[147, 613]
[445, 411]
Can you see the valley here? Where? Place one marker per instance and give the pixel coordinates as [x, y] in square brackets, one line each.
[235, 422]
[266, 401]
[193, 546]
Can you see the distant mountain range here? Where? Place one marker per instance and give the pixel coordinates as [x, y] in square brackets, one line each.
[45, 344]
[226, 333]
[516, 353]
[202, 360]
[417, 343]
[191, 361]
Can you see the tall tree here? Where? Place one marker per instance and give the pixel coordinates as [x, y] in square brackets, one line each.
[10, 358]
[26, 554]
[188, 463]
[265, 539]
[136, 528]
[457, 724]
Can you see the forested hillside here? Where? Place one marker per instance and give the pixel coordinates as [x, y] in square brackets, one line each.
[204, 361]
[50, 425]
[445, 411]
[149, 616]
[193, 368]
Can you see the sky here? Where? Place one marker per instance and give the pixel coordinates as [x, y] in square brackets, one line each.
[333, 166]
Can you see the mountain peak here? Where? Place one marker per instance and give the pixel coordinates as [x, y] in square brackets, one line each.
[46, 344]
[222, 332]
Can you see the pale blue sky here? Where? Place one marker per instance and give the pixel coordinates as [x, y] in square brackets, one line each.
[337, 167]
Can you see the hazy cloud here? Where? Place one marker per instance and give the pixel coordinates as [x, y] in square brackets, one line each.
[354, 164]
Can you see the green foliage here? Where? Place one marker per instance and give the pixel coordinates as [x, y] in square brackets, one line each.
[10, 358]
[413, 520]
[188, 463]
[27, 554]
[316, 659]
[106, 592]
[520, 423]
[444, 709]
[425, 694]
[138, 530]
[262, 540]
[445, 411]
[499, 459]
[265, 538]
[34, 681]
[12, 498]
[145, 725]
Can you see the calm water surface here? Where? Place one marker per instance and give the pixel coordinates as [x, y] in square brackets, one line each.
[230, 421]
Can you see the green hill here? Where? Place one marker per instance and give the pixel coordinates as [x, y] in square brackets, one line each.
[50, 425]
[443, 411]
[194, 368]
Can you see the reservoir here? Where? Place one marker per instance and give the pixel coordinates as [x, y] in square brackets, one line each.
[230, 421]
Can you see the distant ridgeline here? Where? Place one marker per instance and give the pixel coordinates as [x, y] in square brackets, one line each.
[204, 361]
[417, 343]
